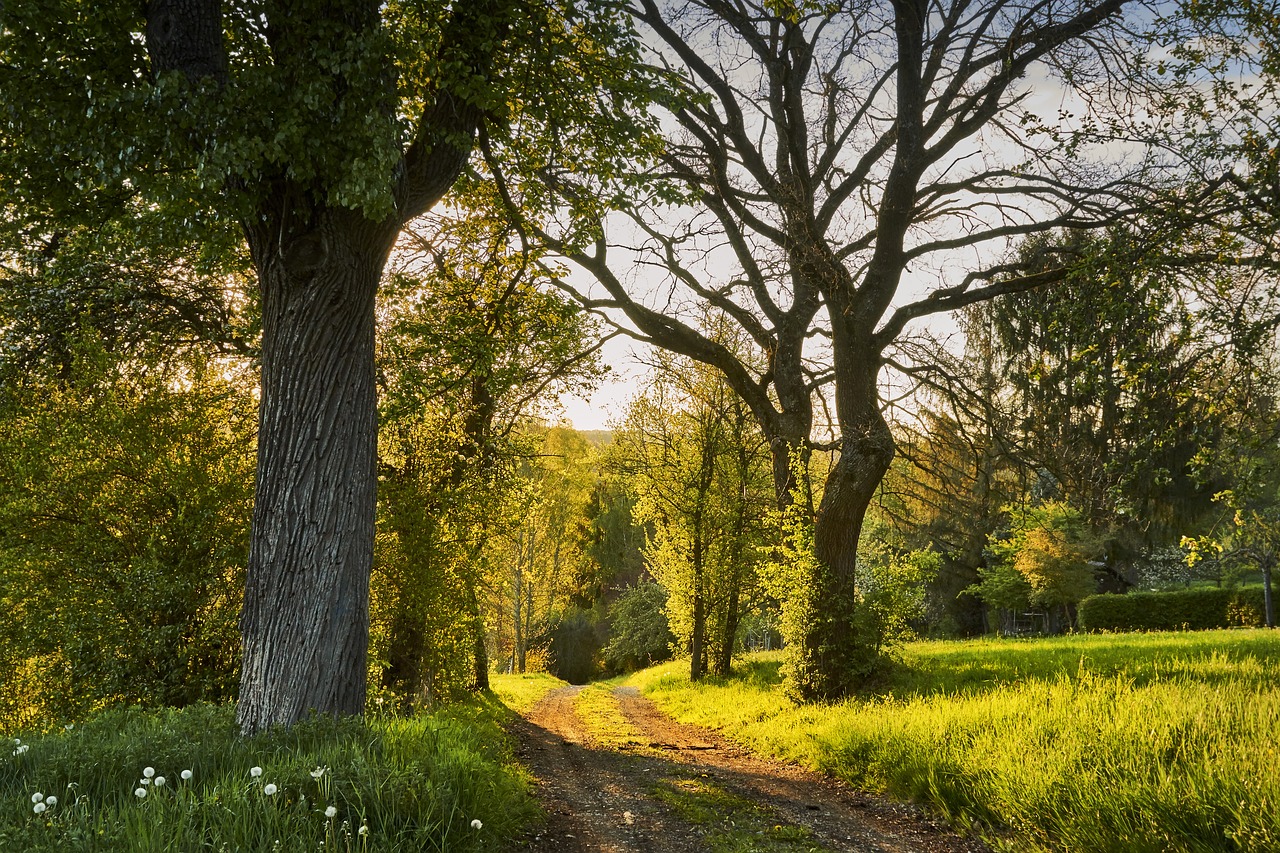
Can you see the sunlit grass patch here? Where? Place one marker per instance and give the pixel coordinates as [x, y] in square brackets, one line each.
[520, 692]
[133, 780]
[733, 824]
[1155, 742]
[604, 720]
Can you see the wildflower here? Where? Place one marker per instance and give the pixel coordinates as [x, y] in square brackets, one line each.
[255, 772]
[364, 829]
[148, 772]
[318, 772]
[140, 793]
[270, 790]
[330, 812]
[68, 727]
[186, 775]
[38, 808]
[159, 782]
[37, 797]
[144, 781]
[476, 824]
[21, 748]
[51, 801]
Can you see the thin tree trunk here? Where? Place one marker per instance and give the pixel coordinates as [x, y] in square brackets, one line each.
[305, 624]
[480, 649]
[1268, 606]
[698, 640]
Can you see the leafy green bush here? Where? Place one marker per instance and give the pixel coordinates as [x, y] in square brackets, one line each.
[132, 780]
[638, 631]
[1194, 609]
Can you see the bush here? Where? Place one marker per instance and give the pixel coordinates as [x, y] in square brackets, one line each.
[1194, 609]
[639, 635]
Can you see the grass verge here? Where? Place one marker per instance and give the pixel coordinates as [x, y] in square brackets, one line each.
[1125, 743]
[520, 692]
[142, 781]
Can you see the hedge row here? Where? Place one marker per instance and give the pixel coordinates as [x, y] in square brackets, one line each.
[1195, 609]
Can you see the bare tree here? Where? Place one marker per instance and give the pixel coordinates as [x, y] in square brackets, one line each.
[849, 168]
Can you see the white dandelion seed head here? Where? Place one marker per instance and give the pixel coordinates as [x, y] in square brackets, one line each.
[21, 748]
[330, 812]
[148, 772]
[144, 781]
[38, 808]
[255, 772]
[270, 789]
[364, 829]
[37, 797]
[159, 783]
[318, 772]
[186, 775]
[50, 801]
[476, 824]
[140, 793]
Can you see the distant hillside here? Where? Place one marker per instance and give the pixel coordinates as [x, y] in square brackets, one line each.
[597, 437]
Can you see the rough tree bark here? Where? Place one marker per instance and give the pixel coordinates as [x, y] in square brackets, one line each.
[305, 619]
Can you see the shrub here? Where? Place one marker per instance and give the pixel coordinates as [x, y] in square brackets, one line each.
[1194, 609]
[639, 633]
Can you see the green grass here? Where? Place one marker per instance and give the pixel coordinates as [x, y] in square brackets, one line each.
[520, 692]
[1133, 743]
[731, 823]
[604, 720]
[394, 784]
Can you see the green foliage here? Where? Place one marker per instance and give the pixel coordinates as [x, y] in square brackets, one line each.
[395, 784]
[1193, 609]
[1150, 743]
[639, 634]
[892, 583]
[124, 508]
[473, 344]
[1048, 548]
[699, 467]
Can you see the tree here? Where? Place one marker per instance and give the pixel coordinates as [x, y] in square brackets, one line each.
[698, 465]
[1049, 549]
[320, 129]
[471, 345]
[639, 634]
[824, 150]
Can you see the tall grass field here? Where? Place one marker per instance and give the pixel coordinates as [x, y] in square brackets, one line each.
[1129, 743]
[140, 781]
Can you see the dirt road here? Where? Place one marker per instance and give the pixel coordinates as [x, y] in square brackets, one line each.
[632, 779]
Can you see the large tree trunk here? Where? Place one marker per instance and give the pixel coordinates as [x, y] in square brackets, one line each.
[835, 656]
[305, 624]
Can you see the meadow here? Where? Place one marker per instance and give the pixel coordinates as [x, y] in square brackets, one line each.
[165, 780]
[1132, 743]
